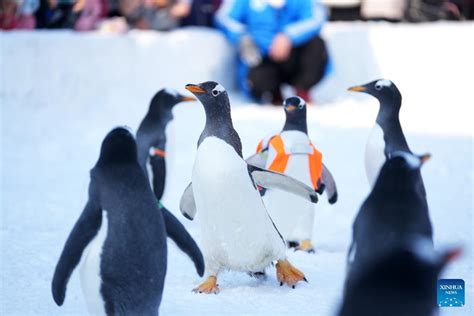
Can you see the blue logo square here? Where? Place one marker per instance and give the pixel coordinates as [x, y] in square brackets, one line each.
[450, 293]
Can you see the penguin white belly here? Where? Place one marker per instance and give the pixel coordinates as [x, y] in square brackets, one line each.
[90, 271]
[237, 232]
[374, 154]
[293, 216]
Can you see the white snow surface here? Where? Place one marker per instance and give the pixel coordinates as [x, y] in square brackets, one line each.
[61, 92]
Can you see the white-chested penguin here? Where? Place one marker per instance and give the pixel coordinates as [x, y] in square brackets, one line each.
[152, 136]
[400, 282]
[153, 146]
[237, 232]
[395, 209]
[291, 152]
[387, 135]
[119, 239]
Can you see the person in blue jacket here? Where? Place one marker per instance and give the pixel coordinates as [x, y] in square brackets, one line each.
[278, 42]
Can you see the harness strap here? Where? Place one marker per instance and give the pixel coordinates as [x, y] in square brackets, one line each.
[280, 162]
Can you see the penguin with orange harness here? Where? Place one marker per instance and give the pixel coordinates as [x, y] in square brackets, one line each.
[292, 153]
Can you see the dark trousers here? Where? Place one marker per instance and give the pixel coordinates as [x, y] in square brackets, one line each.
[302, 70]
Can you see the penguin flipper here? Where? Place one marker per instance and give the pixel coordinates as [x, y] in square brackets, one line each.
[330, 185]
[187, 205]
[158, 167]
[84, 231]
[274, 180]
[178, 233]
[258, 160]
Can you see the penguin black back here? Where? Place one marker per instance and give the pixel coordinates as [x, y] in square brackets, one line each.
[401, 282]
[216, 104]
[134, 253]
[295, 110]
[394, 209]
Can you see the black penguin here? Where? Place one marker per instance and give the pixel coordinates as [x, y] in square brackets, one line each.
[292, 152]
[120, 237]
[396, 208]
[387, 134]
[151, 144]
[224, 190]
[151, 136]
[401, 282]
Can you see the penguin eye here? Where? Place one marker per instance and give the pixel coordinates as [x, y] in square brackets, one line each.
[378, 87]
[300, 106]
[215, 93]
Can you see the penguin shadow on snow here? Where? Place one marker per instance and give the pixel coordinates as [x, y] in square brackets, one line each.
[120, 238]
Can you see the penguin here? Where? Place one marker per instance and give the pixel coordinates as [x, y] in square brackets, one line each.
[395, 208]
[387, 135]
[152, 136]
[291, 152]
[400, 282]
[153, 146]
[119, 240]
[237, 231]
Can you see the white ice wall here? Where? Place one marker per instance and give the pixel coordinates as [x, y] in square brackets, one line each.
[143, 61]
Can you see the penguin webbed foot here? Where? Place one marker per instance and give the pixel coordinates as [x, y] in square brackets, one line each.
[209, 286]
[287, 273]
[305, 246]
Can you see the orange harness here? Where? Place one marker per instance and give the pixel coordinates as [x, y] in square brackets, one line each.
[154, 151]
[280, 161]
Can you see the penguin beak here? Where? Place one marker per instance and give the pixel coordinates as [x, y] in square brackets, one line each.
[194, 88]
[424, 158]
[185, 98]
[357, 89]
[290, 108]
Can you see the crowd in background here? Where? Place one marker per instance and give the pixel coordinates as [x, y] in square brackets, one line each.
[278, 42]
[163, 15]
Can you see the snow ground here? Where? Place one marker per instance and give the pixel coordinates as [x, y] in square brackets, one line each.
[58, 102]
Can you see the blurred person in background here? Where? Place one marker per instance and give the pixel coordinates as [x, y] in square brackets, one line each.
[161, 15]
[278, 42]
[18, 14]
[202, 13]
[58, 14]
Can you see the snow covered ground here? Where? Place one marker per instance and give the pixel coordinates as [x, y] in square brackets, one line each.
[62, 92]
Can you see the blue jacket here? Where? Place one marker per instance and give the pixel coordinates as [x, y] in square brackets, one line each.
[299, 19]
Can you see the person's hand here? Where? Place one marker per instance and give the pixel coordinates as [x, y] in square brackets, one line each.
[180, 10]
[249, 52]
[280, 48]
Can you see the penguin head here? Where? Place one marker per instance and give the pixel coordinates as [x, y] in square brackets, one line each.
[295, 110]
[406, 160]
[400, 169]
[119, 146]
[212, 95]
[166, 99]
[383, 90]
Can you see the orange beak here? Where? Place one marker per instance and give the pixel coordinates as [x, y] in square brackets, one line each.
[290, 108]
[195, 88]
[357, 89]
[424, 158]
